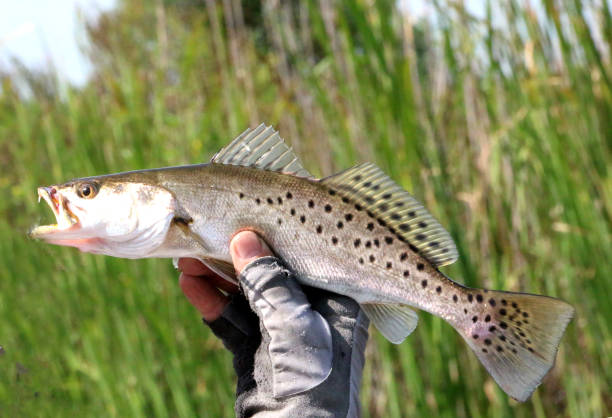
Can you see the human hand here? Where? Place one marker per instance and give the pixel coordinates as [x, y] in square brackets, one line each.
[202, 286]
[302, 354]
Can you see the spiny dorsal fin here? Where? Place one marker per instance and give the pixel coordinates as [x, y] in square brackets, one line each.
[395, 322]
[261, 148]
[369, 186]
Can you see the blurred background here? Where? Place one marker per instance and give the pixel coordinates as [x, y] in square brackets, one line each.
[496, 115]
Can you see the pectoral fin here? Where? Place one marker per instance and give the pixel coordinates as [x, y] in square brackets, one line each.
[222, 268]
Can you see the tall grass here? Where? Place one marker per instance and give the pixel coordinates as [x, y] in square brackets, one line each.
[501, 125]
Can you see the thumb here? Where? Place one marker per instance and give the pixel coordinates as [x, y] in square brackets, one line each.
[246, 246]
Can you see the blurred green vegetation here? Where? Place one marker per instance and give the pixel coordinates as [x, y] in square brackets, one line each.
[501, 125]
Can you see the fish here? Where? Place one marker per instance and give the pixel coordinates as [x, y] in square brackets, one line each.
[355, 233]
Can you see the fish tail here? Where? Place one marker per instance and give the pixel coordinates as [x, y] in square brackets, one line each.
[514, 335]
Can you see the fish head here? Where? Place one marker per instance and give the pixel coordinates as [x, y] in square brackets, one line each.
[107, 216]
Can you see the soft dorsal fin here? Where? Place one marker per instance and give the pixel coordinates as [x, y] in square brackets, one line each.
[377, 193]
[261, 148]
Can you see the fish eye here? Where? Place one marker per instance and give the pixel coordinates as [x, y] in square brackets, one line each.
[87, 190]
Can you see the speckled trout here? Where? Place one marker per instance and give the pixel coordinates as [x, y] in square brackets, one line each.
[356, 233]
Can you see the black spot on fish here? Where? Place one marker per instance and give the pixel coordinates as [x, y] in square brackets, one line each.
[484, 350]
[367, 184]
[370, 214]
[357, 178]
[420, 266]
[368, 244]
[399, 204]
[404, 227]
[502, 337]
[525, 315]
[406, 273]
[434, 244]
[522, 334]
[269, 200]
[376, 187]
[503, 301]
[487, 341]
[360, 260]
[302, 219]
[279, 221]
[492, 302]
[464, 311]
[499, 348]
[474, 319]
[289, 195]
[487, 318]
[381, 222]
[241, 195]
[386, 196]
[421, 237]
[370, 226]
[311, 204]
[392, 230]
[514, 350]
[479, 298]
[332, 192]
[383, 207]
[348, 217]
[319, 229]
[424, 283]
[514, 305]
[377, 243]
[358, 207]
[470, 298]
[389, 265]
[334, 240]
[439, 289]
[357, 242]
[422, 224]
[503, 325]
[403, 256]
[280, 200]
[455, 298]
[372, 258]
[502, 311]
[492, 328]
[413, 248]
[340, 225]
[258, 201]
[412, 214]
[396, 216]
[292, 212]
[345, 199]
[388, 240]
[328, 208]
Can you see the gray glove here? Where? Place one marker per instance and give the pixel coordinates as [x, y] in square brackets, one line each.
[301, 355]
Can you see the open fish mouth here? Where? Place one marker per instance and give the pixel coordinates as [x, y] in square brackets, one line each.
[65, 218]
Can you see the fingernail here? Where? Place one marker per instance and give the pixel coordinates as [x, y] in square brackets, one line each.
[248, 245]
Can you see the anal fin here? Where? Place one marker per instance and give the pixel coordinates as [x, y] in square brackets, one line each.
[395, 322]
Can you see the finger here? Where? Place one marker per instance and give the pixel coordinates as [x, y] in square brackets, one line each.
[194, 267]
[246, 246]
[206, 298]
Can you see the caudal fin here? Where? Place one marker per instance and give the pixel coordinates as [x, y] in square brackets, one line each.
[514, 335]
